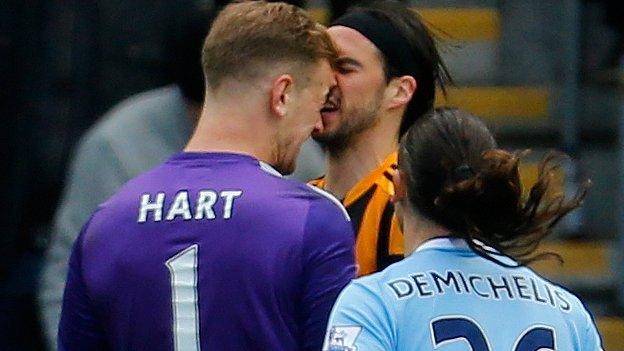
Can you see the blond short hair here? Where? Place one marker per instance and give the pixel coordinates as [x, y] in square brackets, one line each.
[249, 38]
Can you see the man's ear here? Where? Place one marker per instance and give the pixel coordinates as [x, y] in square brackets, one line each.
[400, 186]
[401, 91]
[280, 94]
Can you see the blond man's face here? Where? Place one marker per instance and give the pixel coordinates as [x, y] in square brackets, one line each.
[305, 116]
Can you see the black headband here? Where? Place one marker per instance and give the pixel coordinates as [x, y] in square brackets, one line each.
[387, 38]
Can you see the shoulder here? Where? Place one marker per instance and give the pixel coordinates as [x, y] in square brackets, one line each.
[361, 318]
[132, 113]
[318, 199]
[325, 199]
[108, 140]
[569, 303]
[126, 198]
[376, 186]
[360, 292]
[89, 232]
[364, 303]
[383, 174]
[377, 286]
[148, 101]
[370, 284]
[382, 282]
[574, 301]
[315, 188]
[326, 221]
[580, 315]
[327, 227]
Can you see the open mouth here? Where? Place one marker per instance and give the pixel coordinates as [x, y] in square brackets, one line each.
[332, 102]
[330, 111]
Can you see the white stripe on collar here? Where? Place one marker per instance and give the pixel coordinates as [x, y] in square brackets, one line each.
[451, 243]
[269, 169]
[333, 199]
[443, 243]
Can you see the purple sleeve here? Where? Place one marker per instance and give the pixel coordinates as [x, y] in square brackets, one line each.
[78, 328]
[329, 265]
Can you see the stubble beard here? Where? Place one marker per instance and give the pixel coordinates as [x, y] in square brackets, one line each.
[281, 153]
[354, 121]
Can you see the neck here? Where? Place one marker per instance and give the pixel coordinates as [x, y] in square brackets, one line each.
[193, 111]
[365, 152]
[233, 126]
[417, 230]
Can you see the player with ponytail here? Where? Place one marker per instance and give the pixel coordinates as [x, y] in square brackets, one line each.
[470, 229]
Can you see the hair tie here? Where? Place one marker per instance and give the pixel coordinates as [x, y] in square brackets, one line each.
[462, 173]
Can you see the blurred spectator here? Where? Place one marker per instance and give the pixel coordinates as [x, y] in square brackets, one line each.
[63, 63]
[134, 136]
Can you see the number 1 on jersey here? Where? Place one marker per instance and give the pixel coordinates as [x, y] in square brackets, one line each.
[183, 277]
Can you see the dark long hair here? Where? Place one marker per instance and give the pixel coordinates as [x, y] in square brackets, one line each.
[458, 178]
[432, 71]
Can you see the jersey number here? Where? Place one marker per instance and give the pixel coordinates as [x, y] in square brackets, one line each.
[183, 277]
[459, 328]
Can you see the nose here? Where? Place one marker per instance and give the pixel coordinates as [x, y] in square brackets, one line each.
[334, 79]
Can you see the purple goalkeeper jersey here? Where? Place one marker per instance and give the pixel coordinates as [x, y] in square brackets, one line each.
[209, 251]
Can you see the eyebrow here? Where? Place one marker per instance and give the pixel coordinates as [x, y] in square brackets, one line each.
[348, 61]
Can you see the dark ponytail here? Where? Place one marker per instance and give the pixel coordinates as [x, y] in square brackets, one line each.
[458, 178]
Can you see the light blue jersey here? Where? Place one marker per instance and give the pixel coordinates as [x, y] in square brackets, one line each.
[444, 297]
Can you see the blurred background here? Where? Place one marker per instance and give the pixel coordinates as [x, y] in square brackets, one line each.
[93, 92]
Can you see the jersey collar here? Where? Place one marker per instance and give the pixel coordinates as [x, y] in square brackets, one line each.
[269, 169]
[448, 242]
[373, 178]
[445, 242]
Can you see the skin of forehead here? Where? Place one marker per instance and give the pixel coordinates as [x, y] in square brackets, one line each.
[351, 41]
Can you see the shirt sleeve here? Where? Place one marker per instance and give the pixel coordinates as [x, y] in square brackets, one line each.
[78, 328]
[95, 174]
[359, 321]
[592, 338]
[328, 266]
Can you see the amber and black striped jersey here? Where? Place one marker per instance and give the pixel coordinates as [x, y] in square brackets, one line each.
[379, 241]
